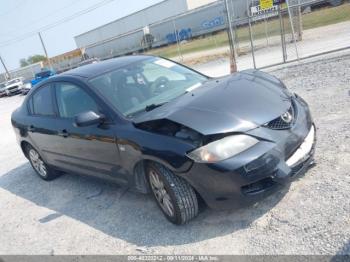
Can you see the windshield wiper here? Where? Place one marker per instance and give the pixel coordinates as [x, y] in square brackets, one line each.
[145, 109]
[153, 106]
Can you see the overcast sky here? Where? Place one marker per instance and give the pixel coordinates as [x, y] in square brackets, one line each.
[20, 17]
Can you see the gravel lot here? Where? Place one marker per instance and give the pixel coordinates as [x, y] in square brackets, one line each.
[77, 215]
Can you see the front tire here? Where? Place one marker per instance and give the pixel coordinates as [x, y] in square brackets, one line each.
[175, 197]
[38, 164]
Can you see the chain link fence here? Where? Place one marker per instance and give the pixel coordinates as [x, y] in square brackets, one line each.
[286, 31]
[290, 30]
[261, 37]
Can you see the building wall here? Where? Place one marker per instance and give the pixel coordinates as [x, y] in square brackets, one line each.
[131, 22]
[192, 23]
[65, 61]
[28, 72]
[192, 4]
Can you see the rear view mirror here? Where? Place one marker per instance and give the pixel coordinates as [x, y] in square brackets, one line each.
[88, 119]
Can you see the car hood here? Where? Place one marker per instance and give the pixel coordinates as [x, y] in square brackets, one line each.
[14, 84]
[235, 103]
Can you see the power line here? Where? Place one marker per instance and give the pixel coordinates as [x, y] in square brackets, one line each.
[30, 23]
[54, 24]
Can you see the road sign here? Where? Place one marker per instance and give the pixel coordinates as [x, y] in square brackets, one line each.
[258, 13]
[266, 4]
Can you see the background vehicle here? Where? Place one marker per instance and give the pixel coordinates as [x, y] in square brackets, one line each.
[42, 76]
[159, 127]
[2, 89]
[13, 86]
[26, 88]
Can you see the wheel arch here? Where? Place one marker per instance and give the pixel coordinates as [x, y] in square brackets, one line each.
[140, 179]
[139, 171]
[24, 144]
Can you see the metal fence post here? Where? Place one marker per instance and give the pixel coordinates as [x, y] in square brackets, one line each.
[266, 32]
[300, 22]
[251, 40]
[293, 31]
[177, 42]
[233, 62]
[283, 39]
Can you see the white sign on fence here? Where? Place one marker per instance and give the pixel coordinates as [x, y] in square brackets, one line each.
[258, 13]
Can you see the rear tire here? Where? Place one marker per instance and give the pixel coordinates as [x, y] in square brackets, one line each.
[38, 164]
[175, 197]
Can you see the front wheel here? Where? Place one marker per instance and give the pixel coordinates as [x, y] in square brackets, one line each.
[40, 167]
[175, 197]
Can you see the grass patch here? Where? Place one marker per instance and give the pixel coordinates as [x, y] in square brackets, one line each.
[327, 16]
[320, 17]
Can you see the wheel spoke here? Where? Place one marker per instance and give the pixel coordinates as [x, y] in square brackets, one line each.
[168, 205]
[37, 163]
[161, 194]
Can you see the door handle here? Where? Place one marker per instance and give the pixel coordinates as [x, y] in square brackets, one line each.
[63, 133]
[31, 128]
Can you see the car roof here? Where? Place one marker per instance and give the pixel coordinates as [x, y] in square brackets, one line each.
[96, 69]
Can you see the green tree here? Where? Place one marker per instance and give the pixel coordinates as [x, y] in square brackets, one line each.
[31, 60]
[35, 59]
[23, 62]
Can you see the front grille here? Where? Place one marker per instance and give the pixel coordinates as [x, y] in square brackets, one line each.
[12, 88]
[258, 187]
[278, 123]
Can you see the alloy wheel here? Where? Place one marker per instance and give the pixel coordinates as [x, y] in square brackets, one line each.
[37, 163]
[161, 193]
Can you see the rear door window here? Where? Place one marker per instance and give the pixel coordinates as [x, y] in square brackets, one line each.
[42, 102]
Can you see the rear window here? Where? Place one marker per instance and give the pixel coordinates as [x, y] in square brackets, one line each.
[43, 74]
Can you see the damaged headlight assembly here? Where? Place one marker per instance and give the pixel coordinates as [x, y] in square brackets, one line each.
[222, 149]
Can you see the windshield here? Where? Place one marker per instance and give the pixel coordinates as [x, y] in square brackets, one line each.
[147, 84]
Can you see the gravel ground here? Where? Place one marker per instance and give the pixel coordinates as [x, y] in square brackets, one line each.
[77, 215]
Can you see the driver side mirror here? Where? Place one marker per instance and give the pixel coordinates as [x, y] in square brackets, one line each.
[88, 118]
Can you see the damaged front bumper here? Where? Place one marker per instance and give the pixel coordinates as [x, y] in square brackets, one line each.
[279, 157]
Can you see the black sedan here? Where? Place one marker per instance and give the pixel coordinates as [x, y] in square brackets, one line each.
[157, 126]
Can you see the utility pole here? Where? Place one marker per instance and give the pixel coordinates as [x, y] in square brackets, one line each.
[7, 71]
[231, 38]
[42, 43]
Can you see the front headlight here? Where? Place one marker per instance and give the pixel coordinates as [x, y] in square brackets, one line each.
[222, 149]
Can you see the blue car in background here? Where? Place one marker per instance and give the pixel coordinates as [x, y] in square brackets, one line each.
[38, 78]
[42, 76]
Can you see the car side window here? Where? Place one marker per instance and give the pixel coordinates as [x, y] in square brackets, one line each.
[73, 100]
[42, 102]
